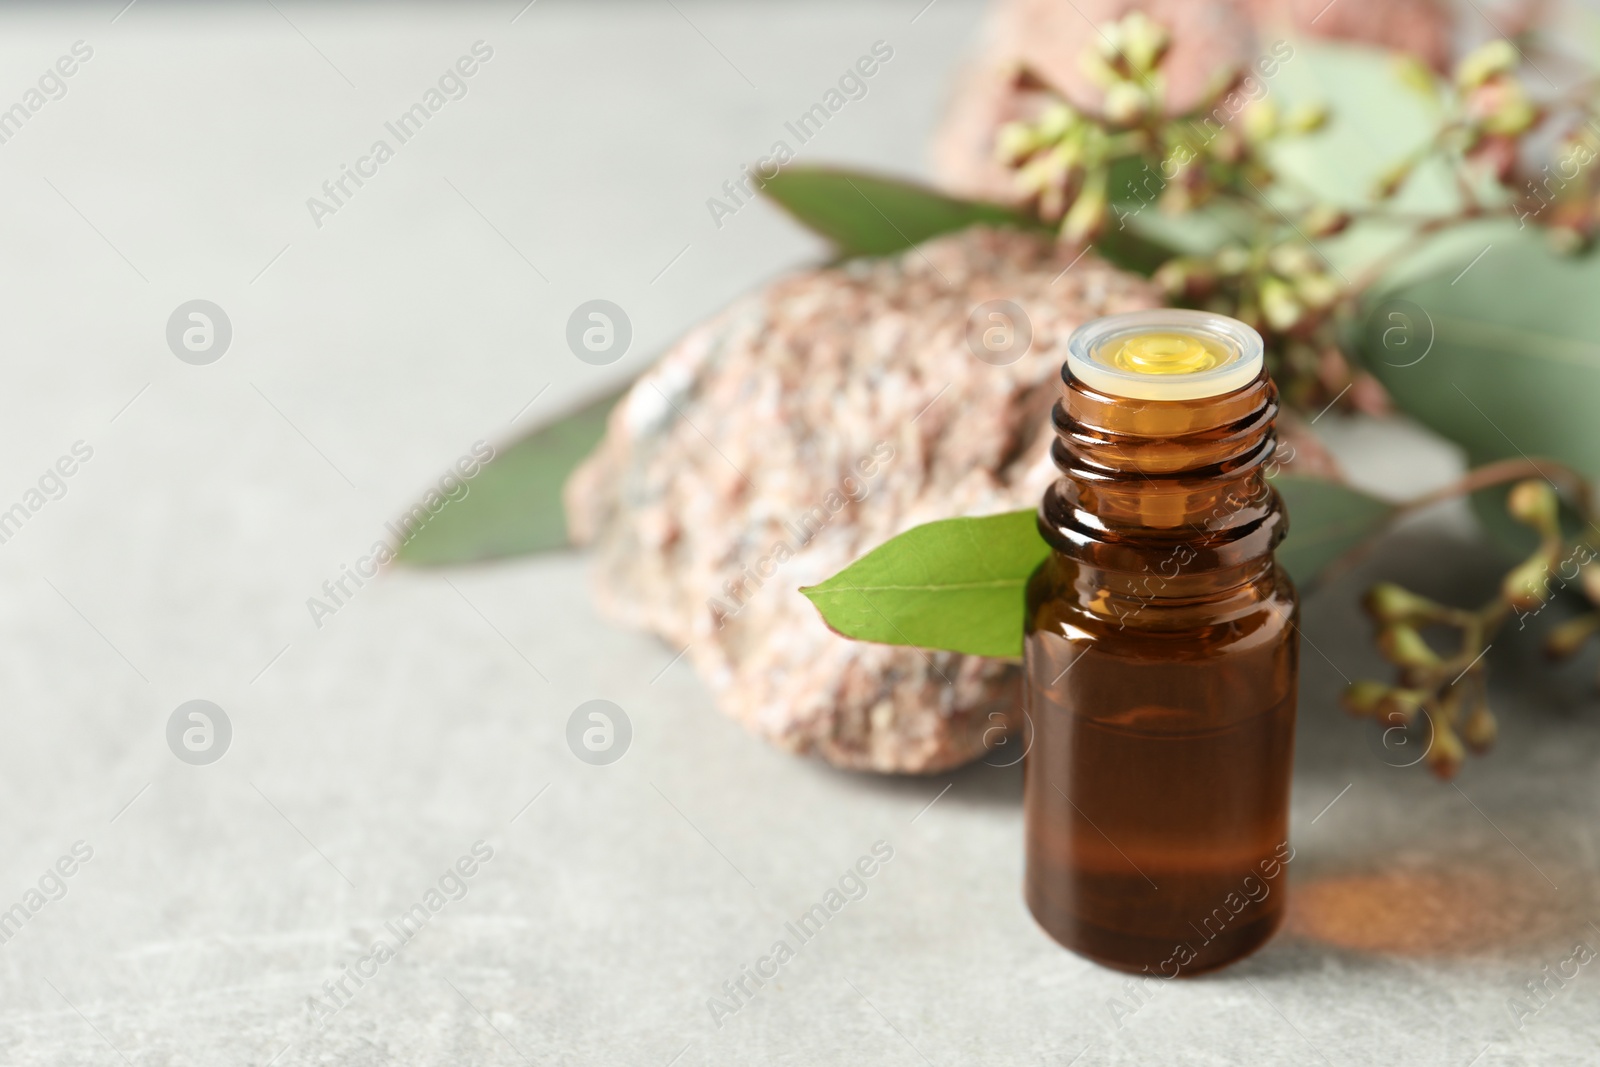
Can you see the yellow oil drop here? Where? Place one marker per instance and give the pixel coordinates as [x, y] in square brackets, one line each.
[1167, 354]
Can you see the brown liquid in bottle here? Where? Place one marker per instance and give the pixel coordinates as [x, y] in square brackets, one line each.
[1161, 660]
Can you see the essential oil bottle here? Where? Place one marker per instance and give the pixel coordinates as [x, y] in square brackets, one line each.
[1161, 652]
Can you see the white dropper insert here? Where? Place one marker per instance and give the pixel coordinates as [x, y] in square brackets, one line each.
[1165, 354]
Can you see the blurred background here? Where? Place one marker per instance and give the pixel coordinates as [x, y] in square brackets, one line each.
[349, 760]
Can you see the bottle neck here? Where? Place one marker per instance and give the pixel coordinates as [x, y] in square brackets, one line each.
[1165, 498]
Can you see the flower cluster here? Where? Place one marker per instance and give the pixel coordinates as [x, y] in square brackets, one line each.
[1446, 693]
[1076, 165]
[1087, 173]
[1090, 174]
[1488, 115]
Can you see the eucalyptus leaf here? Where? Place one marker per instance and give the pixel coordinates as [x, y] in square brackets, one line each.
[955, 584]
[869, 215]
[1133, 249]
[513, 506]
[1505, 357]
[1493, 340]
[959, 584]
[1326, 520]
[1375, 121]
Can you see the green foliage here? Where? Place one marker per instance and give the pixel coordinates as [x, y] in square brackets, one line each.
[1413, 228]
[1326, 520]
[955, 584]
[1501, 360]
[1514, 368]
[514, 505]
[867, 215]
[1377, 118]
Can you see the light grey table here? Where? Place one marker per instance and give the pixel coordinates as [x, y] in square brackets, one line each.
[369, 754]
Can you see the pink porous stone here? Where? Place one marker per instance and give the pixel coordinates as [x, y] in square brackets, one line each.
[805, 425]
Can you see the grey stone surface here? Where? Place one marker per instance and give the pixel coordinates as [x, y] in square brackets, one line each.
[370, 753]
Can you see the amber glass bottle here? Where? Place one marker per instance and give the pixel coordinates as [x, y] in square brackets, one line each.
[1161, 652]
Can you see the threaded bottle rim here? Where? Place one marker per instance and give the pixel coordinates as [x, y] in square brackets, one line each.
[1164, 354]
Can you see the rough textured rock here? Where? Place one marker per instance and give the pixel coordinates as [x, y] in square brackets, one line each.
[1422, 27]
[843, 403]
[1050, 36]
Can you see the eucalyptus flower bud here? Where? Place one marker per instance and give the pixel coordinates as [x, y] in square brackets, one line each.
[1387, 602]
[1052, 201]
[1401, 706]
[1480, 728]
[1447, 703]
[1534, 503]
[1185, 276]
[1589, 578]
[1565, 639]
[1261, 120]
[1087, 215]
[1015, 142]
[1033, 176]
[1045, 176]
[1279, 305]
[1177, 198]
[1391, 179]
[1140, 40]
[1324, 220]
[1305, 117]
[1100, 66]
[1446, 752]
[1415, 75]
[1228, 146]
[1501, 106]
[1056, 122]
[1292, 258]
[1364, 698]
[1527, 585]
[1484, 62]
[1231, 260]
[1126, 103]
[1403, 646]
[1173, 276]
[1318, 290]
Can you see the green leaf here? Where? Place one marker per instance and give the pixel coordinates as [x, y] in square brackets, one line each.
[1375, 122]
[868, 215]
[1501, 355]
[1502, 359]
[959, 584]
[513, 506]
[956, 584]
[1326, 520]
[1132, 249]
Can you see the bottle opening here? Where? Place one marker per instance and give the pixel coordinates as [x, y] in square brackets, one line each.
[1164, 354]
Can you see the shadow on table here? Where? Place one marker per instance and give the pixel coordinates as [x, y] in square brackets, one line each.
[1411, 877]
[1417, 887]
[1445, 909]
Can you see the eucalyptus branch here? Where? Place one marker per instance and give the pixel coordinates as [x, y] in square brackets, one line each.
[1449, 691]
[1271, 276]
[1502, 472]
